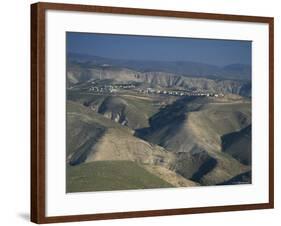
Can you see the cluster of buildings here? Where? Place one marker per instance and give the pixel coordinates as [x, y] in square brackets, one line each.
[111, 88]
[117, 87]
[179, 92]
[103, 89]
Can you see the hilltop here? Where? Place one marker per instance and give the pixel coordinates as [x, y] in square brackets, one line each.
[170, 129]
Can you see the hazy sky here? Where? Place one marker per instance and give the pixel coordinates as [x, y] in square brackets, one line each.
[210, 51]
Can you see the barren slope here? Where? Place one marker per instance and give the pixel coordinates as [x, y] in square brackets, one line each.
[192, 128]
[95, 138]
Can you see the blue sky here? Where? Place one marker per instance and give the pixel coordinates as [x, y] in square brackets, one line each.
[210, 51]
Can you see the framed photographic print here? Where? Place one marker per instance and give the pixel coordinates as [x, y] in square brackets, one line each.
[140, 112]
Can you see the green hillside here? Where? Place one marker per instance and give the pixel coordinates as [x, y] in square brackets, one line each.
[110, 175]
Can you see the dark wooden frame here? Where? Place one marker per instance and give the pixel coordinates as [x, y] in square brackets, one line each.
[38, 22]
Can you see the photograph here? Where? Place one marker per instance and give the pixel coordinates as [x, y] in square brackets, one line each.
[146, 112]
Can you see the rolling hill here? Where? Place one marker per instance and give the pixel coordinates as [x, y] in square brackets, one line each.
[130, 139]
[127, 110]
[192, 129]
[92, 137]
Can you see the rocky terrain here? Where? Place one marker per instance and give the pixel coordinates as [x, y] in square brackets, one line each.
[197, 136]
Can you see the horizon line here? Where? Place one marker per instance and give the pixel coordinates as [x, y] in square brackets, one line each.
[186, 61]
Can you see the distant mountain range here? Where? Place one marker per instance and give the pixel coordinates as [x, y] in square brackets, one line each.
[184, 68]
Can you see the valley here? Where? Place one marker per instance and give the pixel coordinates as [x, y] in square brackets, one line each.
[139, 129]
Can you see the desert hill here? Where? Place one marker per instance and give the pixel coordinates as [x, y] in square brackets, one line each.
[107, 140]
[169, 128]
[192, 128]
